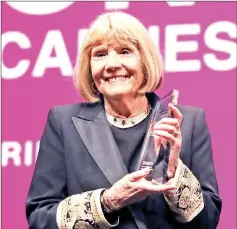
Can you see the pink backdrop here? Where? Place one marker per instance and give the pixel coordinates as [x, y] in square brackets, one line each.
[40, 44]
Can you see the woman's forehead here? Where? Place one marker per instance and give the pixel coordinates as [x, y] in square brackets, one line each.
[114, 41]
[112, 37]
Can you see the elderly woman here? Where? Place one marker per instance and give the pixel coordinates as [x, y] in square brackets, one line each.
[85, 172]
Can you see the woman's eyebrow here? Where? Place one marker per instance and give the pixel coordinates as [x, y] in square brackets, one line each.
[98, 47]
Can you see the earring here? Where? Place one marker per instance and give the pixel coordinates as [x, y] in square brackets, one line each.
[94, 88]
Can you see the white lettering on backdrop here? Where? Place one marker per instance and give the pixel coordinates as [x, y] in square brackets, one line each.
[45, 8]
[24, 43]
[221, 45]
[173, 47]
[17, 154]
[39, 8]
[54, 41]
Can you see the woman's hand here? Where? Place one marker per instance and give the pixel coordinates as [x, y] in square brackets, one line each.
[168, 129]
[132, 188]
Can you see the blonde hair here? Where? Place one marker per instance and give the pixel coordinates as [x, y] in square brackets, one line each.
[121, 28]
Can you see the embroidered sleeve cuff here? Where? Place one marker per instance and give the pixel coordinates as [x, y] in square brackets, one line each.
[83, 211]
[187, 200]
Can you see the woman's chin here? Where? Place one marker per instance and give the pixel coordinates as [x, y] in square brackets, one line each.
[118, 92]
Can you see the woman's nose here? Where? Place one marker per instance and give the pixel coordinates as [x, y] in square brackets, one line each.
[113, 62]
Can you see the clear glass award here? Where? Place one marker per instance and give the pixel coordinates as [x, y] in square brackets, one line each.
[150, 152]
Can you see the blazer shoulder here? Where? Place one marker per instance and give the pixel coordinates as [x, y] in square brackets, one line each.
[72, 110]
[189, 109]
[191, 113]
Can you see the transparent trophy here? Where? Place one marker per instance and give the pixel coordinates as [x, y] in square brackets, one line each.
[150, 155]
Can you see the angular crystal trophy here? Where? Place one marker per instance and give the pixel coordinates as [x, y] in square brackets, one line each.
[150, 152]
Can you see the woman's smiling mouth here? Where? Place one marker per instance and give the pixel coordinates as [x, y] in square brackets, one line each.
[119, 78]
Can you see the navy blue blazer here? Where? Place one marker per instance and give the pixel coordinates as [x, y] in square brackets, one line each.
[78, 153]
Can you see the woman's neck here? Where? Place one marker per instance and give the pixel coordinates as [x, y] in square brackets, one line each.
[126, 106]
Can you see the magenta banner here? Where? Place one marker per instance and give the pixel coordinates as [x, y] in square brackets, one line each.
[40, 43]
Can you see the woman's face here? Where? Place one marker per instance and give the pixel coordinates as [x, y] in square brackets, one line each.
[116, 69]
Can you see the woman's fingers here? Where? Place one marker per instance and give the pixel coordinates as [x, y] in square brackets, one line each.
[175, 112]
[169, 121]
[166, 127]
[168, 136]
[174, 151]
[149, 186]
[143, 173]
[174, 121]
[158, 141]
[160, 188]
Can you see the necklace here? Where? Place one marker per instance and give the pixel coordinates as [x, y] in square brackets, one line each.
[127, 122]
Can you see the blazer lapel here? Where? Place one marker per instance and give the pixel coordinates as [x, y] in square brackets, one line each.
[95, 132]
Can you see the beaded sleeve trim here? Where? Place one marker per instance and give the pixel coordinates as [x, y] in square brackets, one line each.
[187, 200]
[82, 211]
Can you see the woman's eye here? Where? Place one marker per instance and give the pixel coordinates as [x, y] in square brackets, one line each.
[125, 51]
[100, 54]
